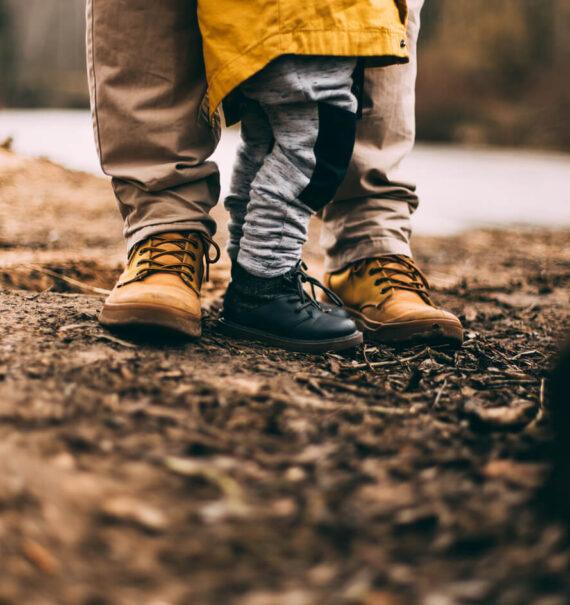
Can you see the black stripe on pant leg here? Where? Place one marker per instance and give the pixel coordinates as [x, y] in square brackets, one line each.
[333, 150]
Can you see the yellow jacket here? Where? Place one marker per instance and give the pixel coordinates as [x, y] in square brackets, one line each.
[240, 37]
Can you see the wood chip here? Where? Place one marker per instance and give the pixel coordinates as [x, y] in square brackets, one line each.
[131, 510]
[39, 556]
[517, 414]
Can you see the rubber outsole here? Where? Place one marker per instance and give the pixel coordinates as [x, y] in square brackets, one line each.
[291, 344]
[141, 316]
[434, 331]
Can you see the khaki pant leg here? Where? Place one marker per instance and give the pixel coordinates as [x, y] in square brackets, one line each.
[147, 85]
[370, 215]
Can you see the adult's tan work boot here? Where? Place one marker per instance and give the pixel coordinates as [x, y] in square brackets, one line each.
[160, 286]
[389, 300]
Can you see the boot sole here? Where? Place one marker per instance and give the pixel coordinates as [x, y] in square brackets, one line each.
[440, 331]
[291, 344]
[149, 316]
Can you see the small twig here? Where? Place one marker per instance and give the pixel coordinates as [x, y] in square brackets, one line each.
[541, 409]
[501, 384]
[366, 360]
[333, 407]
[515, 375]
[380, 409]
[524, 353]
[416, 356]
[439, 393]
[118, 341]
[499, 353]
[375, 364]
[393, 362]
[314, 384]
[38, 294]
[75, 326]
[69, 280]
[335, 384]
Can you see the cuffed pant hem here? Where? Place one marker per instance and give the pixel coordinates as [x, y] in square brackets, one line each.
[370, 248]
[145, 232]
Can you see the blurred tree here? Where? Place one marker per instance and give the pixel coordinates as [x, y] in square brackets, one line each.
[490, 72]
[495, 72]
[49, 52]
[6, 54]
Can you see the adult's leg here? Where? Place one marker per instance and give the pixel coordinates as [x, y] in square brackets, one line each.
[366, 229]
[150, 114]
[149, 104]
[370, 215]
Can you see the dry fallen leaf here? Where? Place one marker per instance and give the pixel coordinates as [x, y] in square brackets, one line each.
[131, 510]
[519, 413]
[517, 473]
[41, 557]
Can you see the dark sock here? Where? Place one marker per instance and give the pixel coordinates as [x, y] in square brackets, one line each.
[247, 291]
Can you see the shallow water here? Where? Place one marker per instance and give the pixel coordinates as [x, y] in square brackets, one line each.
[460, 188]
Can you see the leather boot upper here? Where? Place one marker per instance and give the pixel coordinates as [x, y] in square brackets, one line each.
[387, 289]
[165, 270]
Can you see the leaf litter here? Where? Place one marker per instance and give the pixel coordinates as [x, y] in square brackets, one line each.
[220, 471]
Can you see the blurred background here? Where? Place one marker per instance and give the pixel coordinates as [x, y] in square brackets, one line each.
[491, 74]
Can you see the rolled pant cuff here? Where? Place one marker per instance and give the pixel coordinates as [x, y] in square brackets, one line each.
[145, 232]
[370, 248]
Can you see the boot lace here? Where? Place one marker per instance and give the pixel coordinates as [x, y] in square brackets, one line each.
[155, 245]
[391, 276]
[299, 277]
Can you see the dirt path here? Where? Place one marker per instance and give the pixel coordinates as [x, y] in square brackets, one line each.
[221, 472]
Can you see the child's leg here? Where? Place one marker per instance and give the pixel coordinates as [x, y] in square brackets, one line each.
[257, 140]
[311, 108]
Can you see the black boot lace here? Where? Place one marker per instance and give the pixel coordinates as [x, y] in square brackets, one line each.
[298, 277]
[390, 278]
[155, 245]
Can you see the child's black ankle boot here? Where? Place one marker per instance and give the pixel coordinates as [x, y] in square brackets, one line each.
[278, 312]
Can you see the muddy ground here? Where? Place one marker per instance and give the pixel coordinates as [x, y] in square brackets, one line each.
[217, 471]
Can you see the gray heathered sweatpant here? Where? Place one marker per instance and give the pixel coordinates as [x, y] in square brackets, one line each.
[298, 128]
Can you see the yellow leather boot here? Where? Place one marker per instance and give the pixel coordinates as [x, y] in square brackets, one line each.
[160, 286]
[388, 299]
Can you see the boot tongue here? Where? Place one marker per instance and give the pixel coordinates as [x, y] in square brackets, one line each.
[176, 243]
[173, 250]
[172, 242]
[397, 271]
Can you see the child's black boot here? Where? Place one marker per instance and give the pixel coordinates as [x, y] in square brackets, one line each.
[278, 312]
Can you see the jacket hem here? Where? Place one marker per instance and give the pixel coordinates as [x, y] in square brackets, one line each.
[388, 46]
